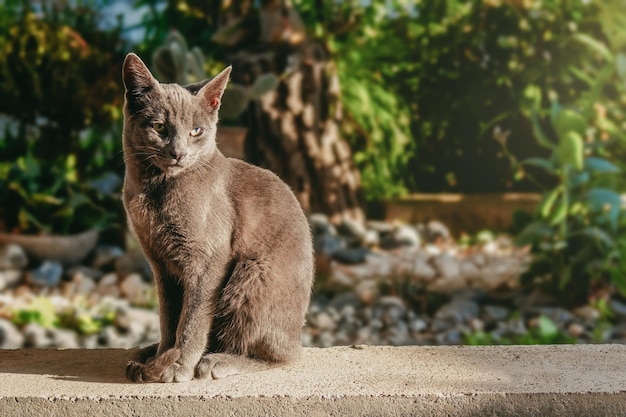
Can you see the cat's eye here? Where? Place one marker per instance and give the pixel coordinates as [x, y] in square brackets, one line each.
[158, 127]
[196, 131]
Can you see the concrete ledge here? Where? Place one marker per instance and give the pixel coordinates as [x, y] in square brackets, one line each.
[583, 380]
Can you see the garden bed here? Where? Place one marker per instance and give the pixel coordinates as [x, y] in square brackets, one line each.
[380, 284]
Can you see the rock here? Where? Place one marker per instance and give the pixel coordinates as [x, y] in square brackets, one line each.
[36, 336]
[477, 325]
[558, 315]
[587, 313]
[447, 266]
[111, 338]
[401, 236]
[435, 232]
[516, 327]
[12, 256]
[133, 262]
[146, 320]
[458, 311]
[135, 290]
[351, 229]
[351, 255]
[344, 277]
[500, 272]
[63, 339]
[306, 338]
[324, 321]
[469, 270]
[619, 309]
[432, 250]
[575, 330]
[391, 301]
[450, 337]
[619, 332]
[107, 286]
[371, 239]
[10, 278]
[94, 274]
[320, 225]
[83, 284]
[326, 339]
[418, 325]
[327, 244]
[423, 271]
[449, 275]
[363, 335]
[398, 334]
[492, 313]
[89, 341]
[10, 336]
[106, 255]
[379, 226]
[48, 274]
[367, 291]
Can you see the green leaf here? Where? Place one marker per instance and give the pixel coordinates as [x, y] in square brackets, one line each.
[560, 213]
[541, 138]
[603, 199]
[46, 199]
[579, 179]
[545, 206]
[595, 164]
[263, 85]
[595, 45]
[546, 328]
[568, 120]
[541, 163]
[597, 235]
[531, 98]
[533, 232]
[570, 150]
[600, 197]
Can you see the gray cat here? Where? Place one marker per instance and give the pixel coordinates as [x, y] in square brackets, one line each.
[228, 243]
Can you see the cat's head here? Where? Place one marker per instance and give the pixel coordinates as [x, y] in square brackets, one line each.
[168, 126]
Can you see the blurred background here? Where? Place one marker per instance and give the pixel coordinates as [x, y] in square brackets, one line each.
[461, 162]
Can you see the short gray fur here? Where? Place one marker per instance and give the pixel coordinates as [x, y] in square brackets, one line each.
[228, 243]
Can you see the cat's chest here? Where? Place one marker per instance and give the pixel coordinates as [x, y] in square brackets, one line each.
[161, 224]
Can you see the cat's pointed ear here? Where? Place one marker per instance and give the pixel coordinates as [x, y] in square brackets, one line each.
[136, 76]
[212, 92]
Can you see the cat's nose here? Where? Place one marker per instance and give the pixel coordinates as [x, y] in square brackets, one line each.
[177, 156]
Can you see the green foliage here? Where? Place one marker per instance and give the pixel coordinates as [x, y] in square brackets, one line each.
[78, 316]
[376, 118]
[60, 119]
[577, 221]
[544, 333]
[40, 311]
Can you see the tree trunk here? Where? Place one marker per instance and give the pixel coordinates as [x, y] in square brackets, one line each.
[294, 129]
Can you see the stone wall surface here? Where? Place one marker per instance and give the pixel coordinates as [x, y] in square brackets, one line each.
[567, 380]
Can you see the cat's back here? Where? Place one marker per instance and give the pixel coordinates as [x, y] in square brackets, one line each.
[265, 206]
[260, 185]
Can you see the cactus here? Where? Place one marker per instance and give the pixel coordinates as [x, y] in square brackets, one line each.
[236, 97]
[173, 62]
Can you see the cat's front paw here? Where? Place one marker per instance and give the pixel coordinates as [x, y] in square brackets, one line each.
[134, 371]
[163, 368]
[177, 373]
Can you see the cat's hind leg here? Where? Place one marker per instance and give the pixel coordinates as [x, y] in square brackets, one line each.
[221, 365]
[258, 319]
